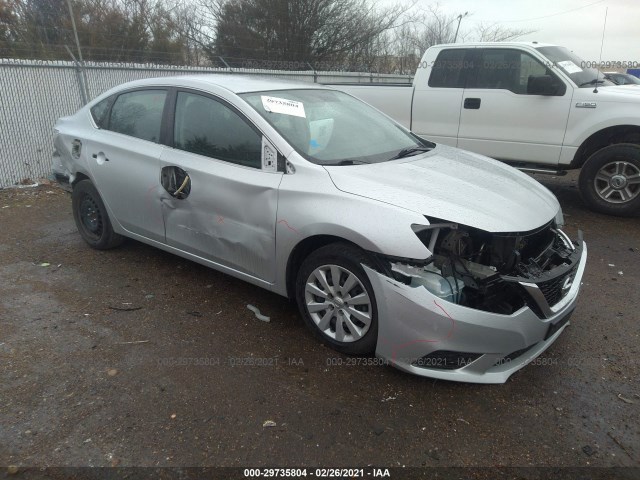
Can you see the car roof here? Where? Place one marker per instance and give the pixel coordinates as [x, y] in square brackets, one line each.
[232, 83]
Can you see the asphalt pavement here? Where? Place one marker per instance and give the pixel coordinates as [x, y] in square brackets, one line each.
[135, 357]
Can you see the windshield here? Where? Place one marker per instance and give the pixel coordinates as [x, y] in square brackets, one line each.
[581, 72]
[332, 128]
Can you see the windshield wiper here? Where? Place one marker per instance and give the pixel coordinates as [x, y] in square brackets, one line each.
[407, 152]
[591, 82]
[347, 162]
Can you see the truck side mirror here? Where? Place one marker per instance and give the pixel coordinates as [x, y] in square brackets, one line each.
[542, 85]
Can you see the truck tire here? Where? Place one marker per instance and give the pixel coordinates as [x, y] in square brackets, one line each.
[610, 180]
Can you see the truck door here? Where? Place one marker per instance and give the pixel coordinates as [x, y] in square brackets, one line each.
[514, 108]
[437, 102]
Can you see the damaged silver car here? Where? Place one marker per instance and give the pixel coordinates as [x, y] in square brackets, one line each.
[441, 262]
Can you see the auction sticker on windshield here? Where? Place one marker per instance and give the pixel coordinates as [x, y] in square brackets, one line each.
[283, 106]
[569, 67]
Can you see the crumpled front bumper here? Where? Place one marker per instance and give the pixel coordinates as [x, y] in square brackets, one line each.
[413, 323]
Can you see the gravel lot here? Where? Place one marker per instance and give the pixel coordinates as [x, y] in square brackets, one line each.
[135, 357]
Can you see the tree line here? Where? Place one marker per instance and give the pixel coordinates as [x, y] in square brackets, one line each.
[300, 34]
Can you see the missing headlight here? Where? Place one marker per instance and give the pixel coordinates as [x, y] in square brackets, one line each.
[431, 278]
[481, 270]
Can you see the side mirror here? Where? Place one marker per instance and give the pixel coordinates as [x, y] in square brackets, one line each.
[272, 160]
[541, 85]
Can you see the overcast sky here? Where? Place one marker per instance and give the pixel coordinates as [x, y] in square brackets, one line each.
[580, 30]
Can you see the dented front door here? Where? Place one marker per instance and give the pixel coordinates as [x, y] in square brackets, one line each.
[226, 213]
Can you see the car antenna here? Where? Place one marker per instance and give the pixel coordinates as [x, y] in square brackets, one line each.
[595, 90]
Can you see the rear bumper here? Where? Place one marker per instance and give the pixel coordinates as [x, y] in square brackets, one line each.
[414, 324]
[58, 172]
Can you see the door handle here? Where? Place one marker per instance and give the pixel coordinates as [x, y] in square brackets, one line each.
[472, 103]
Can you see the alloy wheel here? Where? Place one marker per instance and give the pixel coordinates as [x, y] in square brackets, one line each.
[338, 303]
[618, 182]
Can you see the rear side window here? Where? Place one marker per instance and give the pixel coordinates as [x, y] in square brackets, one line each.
[451, 68]
[138, 114]
[211, 128]
[99, 112]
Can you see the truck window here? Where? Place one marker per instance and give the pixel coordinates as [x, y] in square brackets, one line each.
[450, 68]
[508, 69]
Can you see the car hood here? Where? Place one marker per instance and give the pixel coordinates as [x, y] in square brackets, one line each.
[622, 89]
[454, 185]
[611, 93]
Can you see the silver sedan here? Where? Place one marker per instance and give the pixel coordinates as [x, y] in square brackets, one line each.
[440, 262]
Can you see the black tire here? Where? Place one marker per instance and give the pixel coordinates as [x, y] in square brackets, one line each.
[593, 186]
[92, 218]
[349, 258]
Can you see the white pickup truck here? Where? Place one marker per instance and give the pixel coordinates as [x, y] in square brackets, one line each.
[536, 106]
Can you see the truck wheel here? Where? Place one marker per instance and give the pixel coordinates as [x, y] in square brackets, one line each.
[610, 180]
[336, 299]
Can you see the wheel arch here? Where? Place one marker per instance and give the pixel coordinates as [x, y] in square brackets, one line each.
[307, 246]
[301, 251]
[603, 138]
[78, 178]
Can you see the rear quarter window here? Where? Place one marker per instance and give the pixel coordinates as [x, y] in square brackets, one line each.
[99, 112]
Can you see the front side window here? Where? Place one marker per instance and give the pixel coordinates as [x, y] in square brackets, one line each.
[208, 127]
[328, 127]
[511, 70]
[138, 114]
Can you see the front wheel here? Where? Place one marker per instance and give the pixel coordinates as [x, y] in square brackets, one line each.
[336, 299]
[610, 180]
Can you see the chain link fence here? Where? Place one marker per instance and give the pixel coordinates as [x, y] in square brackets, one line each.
[34, 94]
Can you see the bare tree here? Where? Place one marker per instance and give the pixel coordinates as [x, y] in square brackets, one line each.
[497, 33]
[7, 22]
[406, 48]
[191, 24]
[300, 30]
[358, 34]
[108, 30]
[414, 35]
[434, 27]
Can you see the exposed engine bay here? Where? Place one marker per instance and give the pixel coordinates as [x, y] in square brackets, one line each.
[494, 272]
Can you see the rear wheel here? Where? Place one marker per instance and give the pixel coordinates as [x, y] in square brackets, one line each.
[336, 299]
[610, 180]
[91, 217]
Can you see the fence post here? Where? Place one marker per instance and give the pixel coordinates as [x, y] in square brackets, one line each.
[81, 85]
[226, 64]
[85, 96]
[315, 74]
